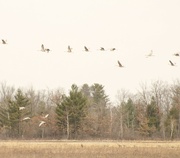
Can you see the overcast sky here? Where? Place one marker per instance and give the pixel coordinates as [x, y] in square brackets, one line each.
[134, 27]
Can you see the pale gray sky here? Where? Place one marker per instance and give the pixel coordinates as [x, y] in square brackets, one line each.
[134, 27]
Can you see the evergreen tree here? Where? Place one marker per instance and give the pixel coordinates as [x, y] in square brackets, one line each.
[130, 113]
[99, 110]
[16, 111]
[173, 119]
[71, 111]
[86, 90]
[98, 93]
[171, 122]
[153, 116]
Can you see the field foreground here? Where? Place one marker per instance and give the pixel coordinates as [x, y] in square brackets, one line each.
[89, 149]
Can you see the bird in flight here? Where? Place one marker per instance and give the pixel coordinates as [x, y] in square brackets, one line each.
[46, 116]
[41, 123]
[86, 49]
[26, 118]
[120, 65]
[176, 54]
[21, 108]
[112, 49]
[172, 64]
[4, 42]
[150, 54]
[69, 49]
[44, 49]
[102, 49]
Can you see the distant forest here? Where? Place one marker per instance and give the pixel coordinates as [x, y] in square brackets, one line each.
[87, 113]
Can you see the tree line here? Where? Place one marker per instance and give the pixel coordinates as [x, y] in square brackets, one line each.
[86, 112]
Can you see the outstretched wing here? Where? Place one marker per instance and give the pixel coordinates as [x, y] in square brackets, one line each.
[41, 123]
[120, 65]
[69, 49]
[3, 41]
[42, 48]
[172, 64]
[46, 115]
[86, 49]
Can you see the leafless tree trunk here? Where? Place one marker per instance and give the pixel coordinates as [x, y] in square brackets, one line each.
[121, 134]
[176, 102]
[144, 94]
[42, 132]
[122, 97]
[111, 121]
[172, 128]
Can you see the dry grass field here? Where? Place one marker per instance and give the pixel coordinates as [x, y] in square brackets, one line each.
[89, 149]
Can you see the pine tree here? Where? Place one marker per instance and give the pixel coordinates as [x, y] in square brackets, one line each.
[16, 114]
[99, 110]
[98, 93]
[129, 111]
[153, 116]
[71, 111]
[171, 122]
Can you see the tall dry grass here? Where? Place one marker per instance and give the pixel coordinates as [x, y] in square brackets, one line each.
[88, 149]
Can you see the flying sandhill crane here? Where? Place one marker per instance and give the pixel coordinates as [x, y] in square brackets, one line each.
[102, 49]
[120, 65]
[44, 49]
[3, 41]
[86, 49]
[176, 54]
[69, 49]
[112, 49]
[41, 123]
[172, 64]
[26, 118]
[150, 54]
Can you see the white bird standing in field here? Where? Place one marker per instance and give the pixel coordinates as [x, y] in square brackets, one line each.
[41, 123]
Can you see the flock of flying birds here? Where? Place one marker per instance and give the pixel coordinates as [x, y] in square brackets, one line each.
[28, 118]
[69, 49]
[43, 49]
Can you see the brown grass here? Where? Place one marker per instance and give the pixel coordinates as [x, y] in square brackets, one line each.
[89, 149]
